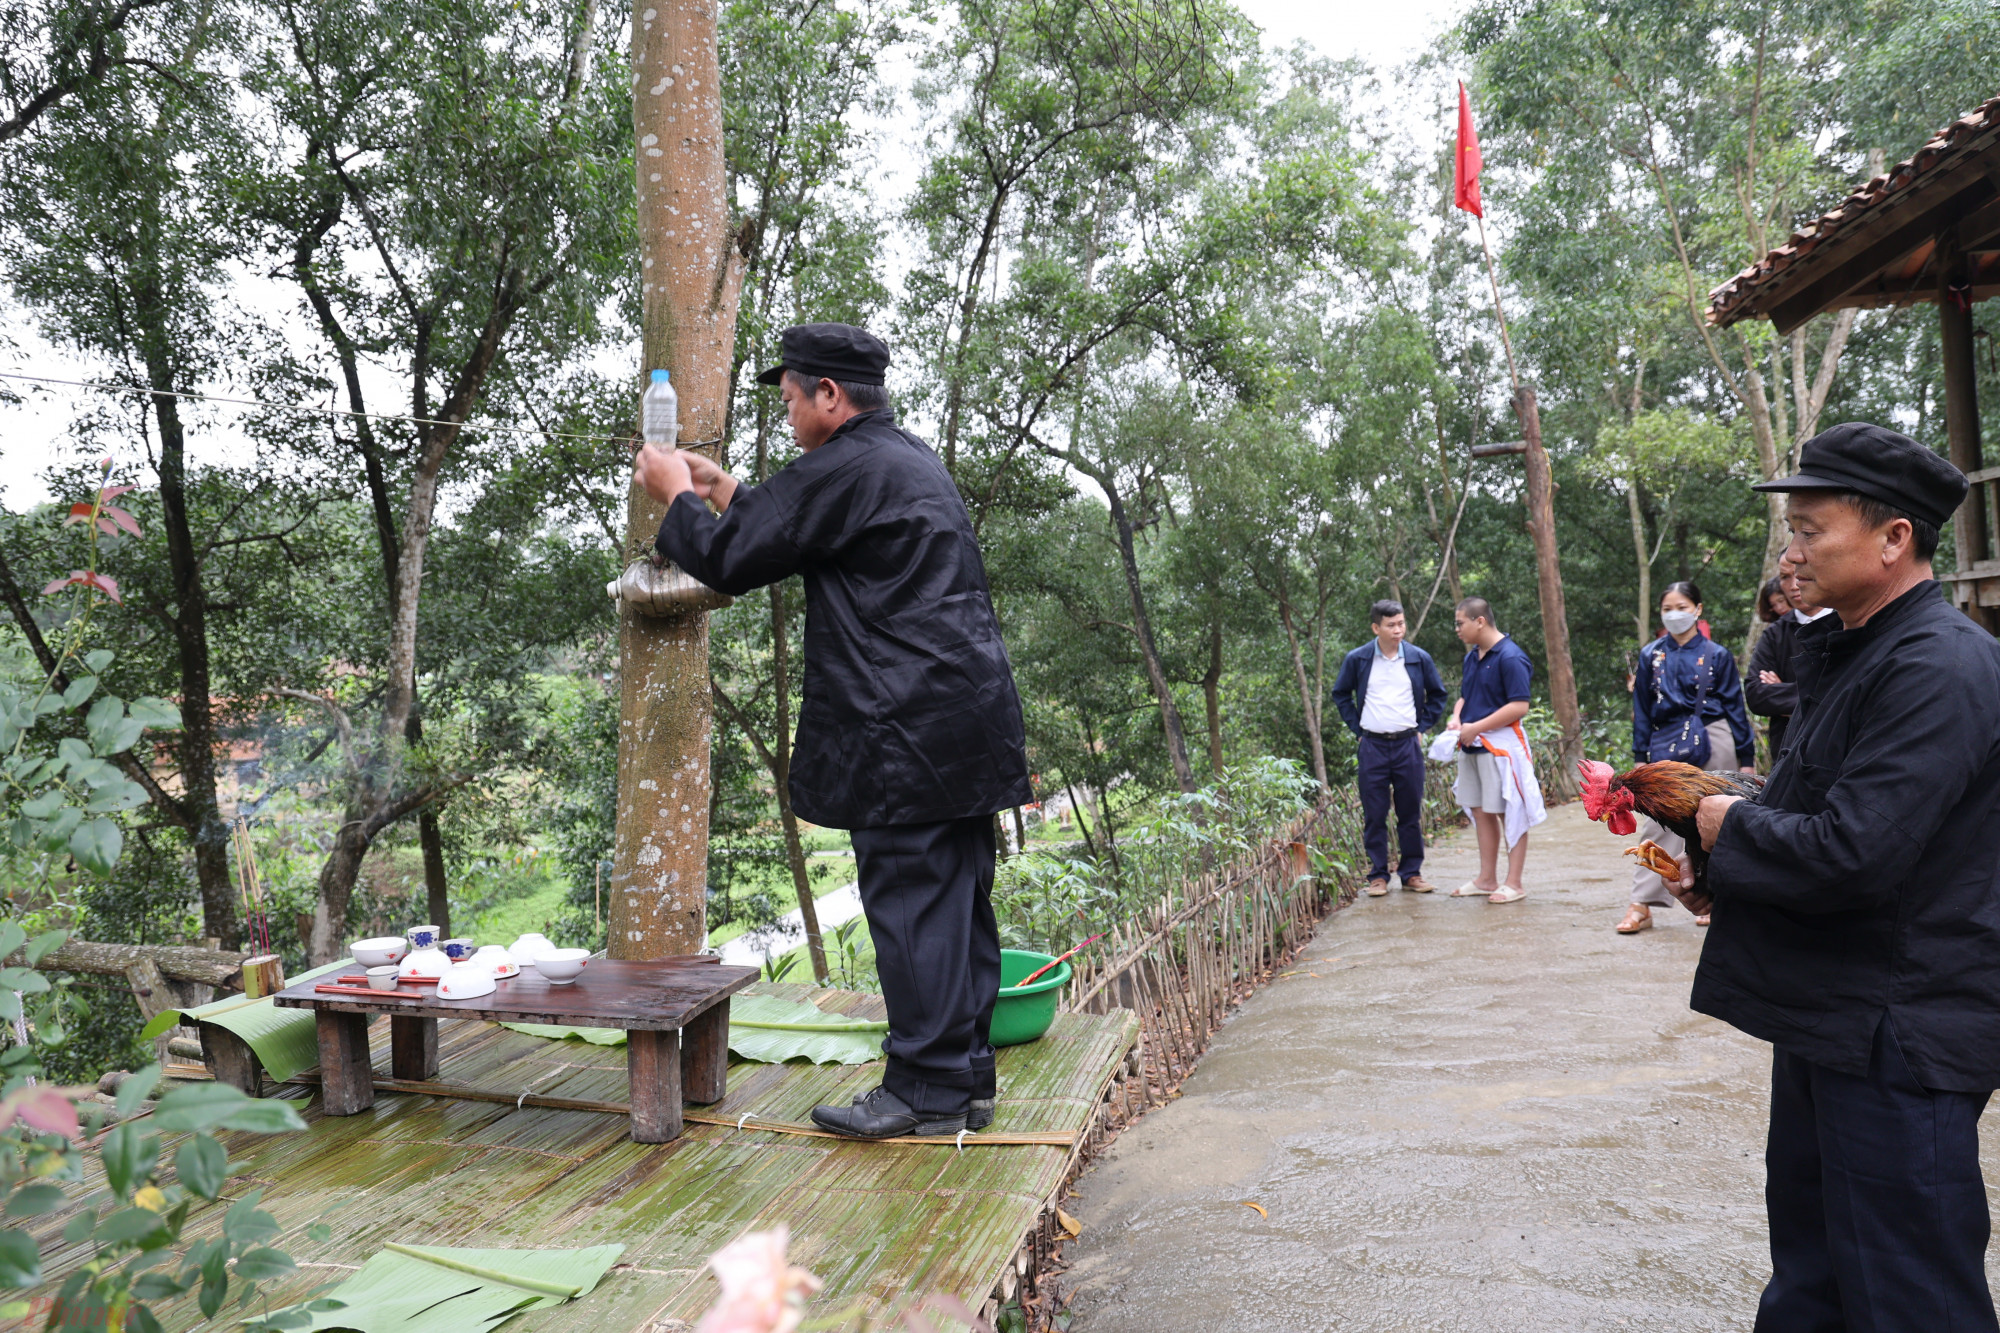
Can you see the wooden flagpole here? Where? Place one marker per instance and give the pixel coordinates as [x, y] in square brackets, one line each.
[1548, 563]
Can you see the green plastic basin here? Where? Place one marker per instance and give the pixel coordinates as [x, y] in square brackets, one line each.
[1024, 1014]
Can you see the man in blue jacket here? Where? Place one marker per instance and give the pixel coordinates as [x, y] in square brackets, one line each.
[1387, 710]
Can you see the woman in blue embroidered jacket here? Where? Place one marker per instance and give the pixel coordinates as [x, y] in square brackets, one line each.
[1687, 704]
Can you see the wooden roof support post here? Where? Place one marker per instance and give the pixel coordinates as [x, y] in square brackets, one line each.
[691, 277]
[1961, 411]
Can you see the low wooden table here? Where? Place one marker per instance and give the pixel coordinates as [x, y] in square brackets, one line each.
[655, 1002]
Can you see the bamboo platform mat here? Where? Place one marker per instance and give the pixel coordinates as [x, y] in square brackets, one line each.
[887, 1223]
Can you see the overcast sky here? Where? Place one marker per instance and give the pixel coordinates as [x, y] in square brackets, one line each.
[34, 434]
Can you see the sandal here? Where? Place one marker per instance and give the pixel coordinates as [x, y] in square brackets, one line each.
[1638, 919]
[1471, 890]
[1506, 893]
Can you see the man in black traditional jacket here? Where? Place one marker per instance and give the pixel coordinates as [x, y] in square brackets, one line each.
[1856, 910]
[910, 730]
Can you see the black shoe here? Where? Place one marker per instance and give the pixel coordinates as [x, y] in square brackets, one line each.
[881, 1114]
[981, 1114]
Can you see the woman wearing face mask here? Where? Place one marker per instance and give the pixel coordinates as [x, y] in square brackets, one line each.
[1687, 705]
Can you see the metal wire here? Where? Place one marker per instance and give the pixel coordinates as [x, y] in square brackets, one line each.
[306, 409]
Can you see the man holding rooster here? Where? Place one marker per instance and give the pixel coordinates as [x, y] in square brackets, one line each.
[1856, 909]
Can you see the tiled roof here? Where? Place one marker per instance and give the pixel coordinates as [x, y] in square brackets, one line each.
[1728, 303]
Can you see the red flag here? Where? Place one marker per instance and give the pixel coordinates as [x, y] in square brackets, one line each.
[1466, 177]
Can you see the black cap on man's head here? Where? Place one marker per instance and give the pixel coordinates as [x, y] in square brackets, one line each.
[830, 351]
[1879, 463]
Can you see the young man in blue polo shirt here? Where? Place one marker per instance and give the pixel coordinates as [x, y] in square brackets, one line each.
[1492, 697]
[1388, 692]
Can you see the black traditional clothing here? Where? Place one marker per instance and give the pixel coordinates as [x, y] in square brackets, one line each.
[1865, 880]
[910, 731]
[910, 714]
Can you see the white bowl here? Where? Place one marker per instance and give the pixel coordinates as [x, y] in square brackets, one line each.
[560, 966]
[382, 977]
[497, 961]
[530, 947]
[426, 963]
[380, 951]
[463, 981]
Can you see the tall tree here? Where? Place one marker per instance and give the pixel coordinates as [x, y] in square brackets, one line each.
[453, 202]
[120, 203]
[797, 76]
[1702, 125]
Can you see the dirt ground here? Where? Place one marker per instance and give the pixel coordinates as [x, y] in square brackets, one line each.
[1453, 1116]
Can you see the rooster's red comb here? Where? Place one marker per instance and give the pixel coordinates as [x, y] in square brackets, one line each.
[1596, 786]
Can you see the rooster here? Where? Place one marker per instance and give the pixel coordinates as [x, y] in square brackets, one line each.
[1666, 792]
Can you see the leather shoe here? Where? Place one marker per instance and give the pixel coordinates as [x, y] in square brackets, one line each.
[1638, 919]
[981, 1114]
[881, 1114]
[1378, 888]
[1416, 884]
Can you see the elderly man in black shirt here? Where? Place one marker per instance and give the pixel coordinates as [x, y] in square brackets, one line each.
[910, 731]
[1856, 910]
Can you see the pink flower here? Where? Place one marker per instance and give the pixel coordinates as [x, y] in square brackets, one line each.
[44, 1107]
[761, 1292]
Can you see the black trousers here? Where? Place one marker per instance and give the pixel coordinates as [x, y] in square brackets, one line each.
[1392, 768]
[927, 890]
[1878, 1211]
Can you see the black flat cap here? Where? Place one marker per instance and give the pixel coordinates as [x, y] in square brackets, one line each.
[830, 351]
[1877, 462]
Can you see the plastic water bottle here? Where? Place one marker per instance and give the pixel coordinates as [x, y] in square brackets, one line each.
[660, 411]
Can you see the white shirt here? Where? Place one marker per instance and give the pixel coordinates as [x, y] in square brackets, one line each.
[1389, 706]
[1805, 619]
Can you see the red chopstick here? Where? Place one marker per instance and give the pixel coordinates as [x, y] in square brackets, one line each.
[1054, 962]
[368, 991]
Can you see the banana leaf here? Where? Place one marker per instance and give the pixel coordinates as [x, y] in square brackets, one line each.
[286, 1040]
[766, 1029]
[435, 1289]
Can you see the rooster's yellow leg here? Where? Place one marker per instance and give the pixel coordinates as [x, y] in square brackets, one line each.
[1654, 857]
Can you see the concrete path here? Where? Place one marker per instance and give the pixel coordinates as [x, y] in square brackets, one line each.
[1457, 1117]
[753, 948]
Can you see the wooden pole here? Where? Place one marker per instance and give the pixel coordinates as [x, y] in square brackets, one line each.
[691, 276]
[1548, 561]
[1961, 415]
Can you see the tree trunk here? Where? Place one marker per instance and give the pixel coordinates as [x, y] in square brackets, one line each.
[189, 620]
[1637, 511]
[209, 967]
[1445, 545]
[691, 277]
[438, 904]
[1211, 694]
[336, 887]
[1307, 703]
[1142, 627]
[1548, 584]
[1641, 556]
[781, 773]
[1082, 825]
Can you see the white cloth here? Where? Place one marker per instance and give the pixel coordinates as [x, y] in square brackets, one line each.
[1804, 619]
[1389, 706]
[1524, 791]
[1443, 746]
